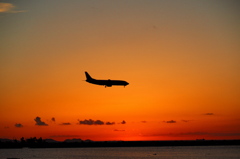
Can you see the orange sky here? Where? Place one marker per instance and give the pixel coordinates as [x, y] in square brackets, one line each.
[181, 59]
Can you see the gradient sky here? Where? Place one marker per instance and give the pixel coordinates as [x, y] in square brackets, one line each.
[181, 58]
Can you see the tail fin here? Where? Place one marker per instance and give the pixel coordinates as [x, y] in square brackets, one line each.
[88, 76]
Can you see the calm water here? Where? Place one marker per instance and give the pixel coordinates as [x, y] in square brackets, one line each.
[185, 152]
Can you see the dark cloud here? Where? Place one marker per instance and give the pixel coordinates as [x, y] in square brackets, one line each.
[144, 121]
[86, 122]
[208, 114]
[99, 122]
[118, 130]
[39, 122]
[170, 121]
[65, 124]
[53, 119]
[94, 122]
[18, 125]
[186, 121]
[123, 122]
[110, 123]
[91, 122]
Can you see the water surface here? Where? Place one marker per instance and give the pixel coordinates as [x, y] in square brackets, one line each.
[175, 152]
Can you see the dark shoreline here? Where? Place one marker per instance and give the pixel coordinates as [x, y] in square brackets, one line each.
[91, 144]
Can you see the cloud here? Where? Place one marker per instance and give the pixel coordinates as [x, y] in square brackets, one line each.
[53, 119]
[123, 122]
[18, 125]
[118, 130]
[94, 122]
[143, 121]
[39, 122]
[99, 122]
[170, 121]
[208, 114]
[91, 122]
[65, 124]
[186, 121]
[110, 123]
[8, 8]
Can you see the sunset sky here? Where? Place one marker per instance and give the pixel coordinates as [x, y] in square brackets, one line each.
[181, 58]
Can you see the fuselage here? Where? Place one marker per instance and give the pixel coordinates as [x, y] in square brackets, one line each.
[106, 83]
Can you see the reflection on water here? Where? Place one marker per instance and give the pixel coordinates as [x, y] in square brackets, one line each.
[181, 152]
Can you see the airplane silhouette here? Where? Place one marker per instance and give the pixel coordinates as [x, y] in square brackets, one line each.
[106, 83]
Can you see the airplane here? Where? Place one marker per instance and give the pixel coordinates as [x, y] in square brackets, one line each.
[106, 83]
